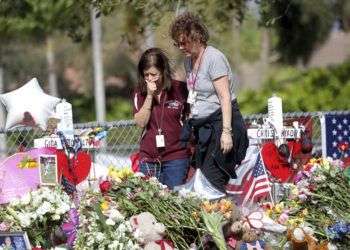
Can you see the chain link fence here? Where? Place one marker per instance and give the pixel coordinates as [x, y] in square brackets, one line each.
[123, 136]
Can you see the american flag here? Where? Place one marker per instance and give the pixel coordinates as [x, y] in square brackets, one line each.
[336, 131]
[252, 182]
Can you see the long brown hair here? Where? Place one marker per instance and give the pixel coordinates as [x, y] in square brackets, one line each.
[154, 57]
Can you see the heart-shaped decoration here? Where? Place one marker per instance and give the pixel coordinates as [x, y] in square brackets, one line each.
[79, 169]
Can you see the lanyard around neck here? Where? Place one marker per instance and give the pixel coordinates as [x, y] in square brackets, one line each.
[192, 84]
[160, 123]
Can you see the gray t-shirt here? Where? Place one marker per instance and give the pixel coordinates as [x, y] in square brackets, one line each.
[214, 65]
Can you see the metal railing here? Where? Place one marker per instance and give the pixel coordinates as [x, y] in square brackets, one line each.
[122, 138]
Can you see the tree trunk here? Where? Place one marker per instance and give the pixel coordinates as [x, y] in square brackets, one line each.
[50, 57]
[2, 118]
[264, 53]
[149, 37]
[100, 105]
[236, 29]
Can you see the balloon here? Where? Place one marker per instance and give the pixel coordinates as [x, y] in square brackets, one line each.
[28, 106]
[16, 179]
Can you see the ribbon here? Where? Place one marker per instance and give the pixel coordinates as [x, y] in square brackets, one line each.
[163, 244]
[70, 227]
[71, 153]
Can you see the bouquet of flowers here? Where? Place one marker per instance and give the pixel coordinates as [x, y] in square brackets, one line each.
[39, 213]
[102, 226]
[320, 198]
[180, 215]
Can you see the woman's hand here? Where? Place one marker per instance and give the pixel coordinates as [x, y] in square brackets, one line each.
[226, 142]
[151, 86]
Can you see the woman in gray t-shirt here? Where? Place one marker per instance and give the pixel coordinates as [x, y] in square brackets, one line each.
[211, 84]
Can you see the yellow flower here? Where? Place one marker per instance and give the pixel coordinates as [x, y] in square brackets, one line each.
[195, 215]
[225, 206]
[119, 174]
[305, 212]
[279, 207]
[104, 205]
[207, 206]
[295, 221]
[268, 212]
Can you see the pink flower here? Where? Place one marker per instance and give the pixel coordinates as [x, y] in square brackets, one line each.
[302, 197]
[4, 226]
[283, 217]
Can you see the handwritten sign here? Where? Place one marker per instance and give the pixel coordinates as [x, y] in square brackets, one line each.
[55, 142]
[269, 133]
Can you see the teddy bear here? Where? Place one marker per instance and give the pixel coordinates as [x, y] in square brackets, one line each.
[250, 240]
[149, 233]
[246, 236]
[302, 238]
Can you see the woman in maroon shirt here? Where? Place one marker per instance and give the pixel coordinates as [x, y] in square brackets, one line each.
[159, 108]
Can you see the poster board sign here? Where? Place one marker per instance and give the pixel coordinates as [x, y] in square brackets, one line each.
[48, 170]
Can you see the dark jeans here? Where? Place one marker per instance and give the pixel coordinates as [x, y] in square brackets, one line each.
[170, 173]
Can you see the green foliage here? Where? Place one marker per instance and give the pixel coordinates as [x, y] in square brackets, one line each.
[250, 39]
[216, 14]
[313, 90]
[42, 18]
[300, 25]
[119, 109]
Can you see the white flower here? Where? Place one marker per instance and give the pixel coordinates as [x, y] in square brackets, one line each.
[33, 215]
[100, 236]
[62, 208]
[122, 228]
[110, 222]
[115, 215]
[25, 200]
[44, 208]
[24, 219]
[56, 217]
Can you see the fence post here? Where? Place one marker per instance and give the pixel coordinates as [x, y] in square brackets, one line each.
[2, 118]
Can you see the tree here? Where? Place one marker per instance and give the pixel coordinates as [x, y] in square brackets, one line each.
[41, 21]
[312, 90]
[300, 25]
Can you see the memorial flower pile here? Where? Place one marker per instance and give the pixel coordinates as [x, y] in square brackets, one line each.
[39, 213]
[102, 225]
[135, 194]
[319, 199]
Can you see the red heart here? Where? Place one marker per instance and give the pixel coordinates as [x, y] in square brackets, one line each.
[80, 168]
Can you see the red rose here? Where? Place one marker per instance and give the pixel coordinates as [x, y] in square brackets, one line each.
[343, 146]
[308, 167]
[105, 186]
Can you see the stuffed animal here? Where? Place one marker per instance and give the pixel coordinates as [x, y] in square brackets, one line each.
[302, 238]
[250, 240]
[149, 232]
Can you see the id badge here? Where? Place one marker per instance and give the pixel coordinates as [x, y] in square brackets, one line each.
[160, 142]
[192, 94]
